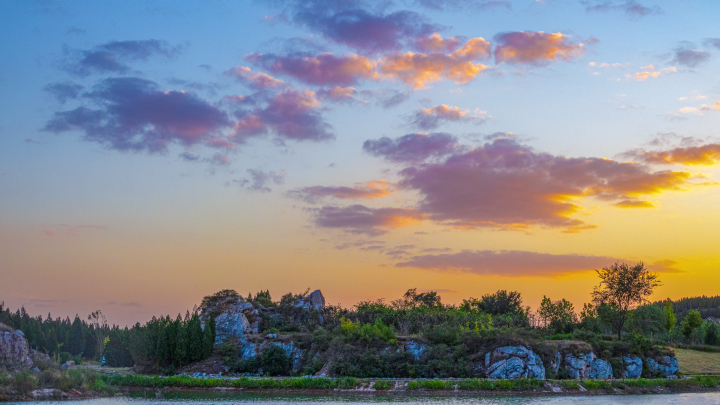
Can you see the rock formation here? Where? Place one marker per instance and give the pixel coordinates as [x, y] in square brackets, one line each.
[511, 362]
[14, 351]
[633, 367]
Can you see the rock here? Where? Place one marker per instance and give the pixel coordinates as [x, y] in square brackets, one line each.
[14, 351]
[508, 369]
[293, 353]
[314, 300]
[416, 349]
[271, 336]
[50, 393]
[70, 363]
[664, 367]
[511, 362]
[633, 367]
[600, 369]
[555, 363]
[248, 350]
[580, 366]
[40, 360]
[35, 370]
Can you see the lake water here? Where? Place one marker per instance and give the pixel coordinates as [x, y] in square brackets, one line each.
[273, 399]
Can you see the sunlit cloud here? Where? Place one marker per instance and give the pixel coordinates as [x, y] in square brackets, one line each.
[359, 219]
[361, 191]
[634, 204]
[419, 69]
[431, 118]
[535, 47]
[702, 155]
[254, 80]
[324, 69]
[412, 147]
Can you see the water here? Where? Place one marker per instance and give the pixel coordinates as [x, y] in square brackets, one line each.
[196, 398]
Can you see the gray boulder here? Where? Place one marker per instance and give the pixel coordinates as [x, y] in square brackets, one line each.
[600, 369]
[512, 362]
[664, 367]
[314, 300]
[416, 349]
[555, 363]
[14, 351]
[633, 367]
[579, 366]
[293, 353]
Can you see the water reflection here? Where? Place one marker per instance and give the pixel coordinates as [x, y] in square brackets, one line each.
[211, 398]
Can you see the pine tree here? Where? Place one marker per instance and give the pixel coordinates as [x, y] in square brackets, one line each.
[76, 341]
[195, 339]
[209, 337]
[181, 342]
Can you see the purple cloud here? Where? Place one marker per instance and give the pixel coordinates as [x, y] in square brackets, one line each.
[630, 7]
[113, 56]
[64, 91]
[289, 115]
[463, 5]
[412, 147]
[133, 114]
[431, 118]
[510, 186]
[690, 57]
[325, 69]
[512, 263]
[360, 219]
[260, 181]
[362, 191]
[350, 23]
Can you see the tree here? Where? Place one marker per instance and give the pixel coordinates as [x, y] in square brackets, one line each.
[76, 343]
[669, 315]
[692, 321]
[195, 339]
[181, 342]
[646, 320]
[556, 316]
[411, 299]
[712, 333]
[209, 337]
[623, 287]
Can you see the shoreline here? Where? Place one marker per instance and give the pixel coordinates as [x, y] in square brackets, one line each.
[400, 389]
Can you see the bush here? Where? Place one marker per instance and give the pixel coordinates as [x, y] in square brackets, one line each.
[24, 382]
[47, 380]
[377, 332]
[275, 361]
[442, 334]
[383, 384]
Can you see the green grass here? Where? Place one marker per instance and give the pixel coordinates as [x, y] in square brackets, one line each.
[693, 362]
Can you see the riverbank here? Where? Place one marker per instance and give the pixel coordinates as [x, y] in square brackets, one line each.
[104, 385]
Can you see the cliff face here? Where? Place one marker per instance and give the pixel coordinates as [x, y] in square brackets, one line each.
[14, 351]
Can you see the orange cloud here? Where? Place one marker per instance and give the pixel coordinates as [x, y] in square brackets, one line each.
[535, 47]
[634, 204]
[705, 155]
[436, 43]
[417, 69]
[360, 219]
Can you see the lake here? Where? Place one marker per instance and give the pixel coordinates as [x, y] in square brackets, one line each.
[275, 399]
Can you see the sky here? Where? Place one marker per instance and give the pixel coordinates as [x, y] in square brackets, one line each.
[152, 153]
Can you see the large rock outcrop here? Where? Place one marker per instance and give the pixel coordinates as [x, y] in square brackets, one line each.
[633, 367]
[236, 317]
[587, 366]
[512, 362]
[665, 366]
[14, 351]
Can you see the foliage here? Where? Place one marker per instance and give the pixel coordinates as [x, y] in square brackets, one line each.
[557, 316]
[622, 287]
[692, 321]
[275, 361]
[669, 318]
[367, 332]
[712, 333]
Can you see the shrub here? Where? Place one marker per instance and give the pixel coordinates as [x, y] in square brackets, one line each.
[571, 384]
[712, 334]
[47, 380]
[436, 384]
[24, 382]
[383, 384]
[442, 334]
[275, 361]
[347, 382]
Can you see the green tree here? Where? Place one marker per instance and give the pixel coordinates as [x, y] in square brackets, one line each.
[76, 342]
[712, 334]
[692, 321]
[209, 337]
[646, 320]
[557, 316]
[669, 315]
[623, 287]
[181, 342]
[275, 361]
[195, 339]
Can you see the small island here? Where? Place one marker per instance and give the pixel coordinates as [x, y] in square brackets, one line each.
[620, 343]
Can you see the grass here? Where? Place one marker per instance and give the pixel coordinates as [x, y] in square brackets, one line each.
[694, 362]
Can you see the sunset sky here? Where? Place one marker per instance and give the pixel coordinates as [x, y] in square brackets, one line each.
[152, 153]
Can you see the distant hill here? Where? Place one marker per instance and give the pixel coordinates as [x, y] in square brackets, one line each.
[709, 307]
